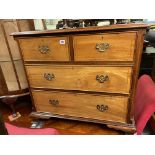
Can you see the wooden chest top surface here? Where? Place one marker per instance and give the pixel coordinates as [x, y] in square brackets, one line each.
[87, 29]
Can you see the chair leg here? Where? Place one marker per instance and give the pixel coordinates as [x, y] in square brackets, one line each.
[10, 101]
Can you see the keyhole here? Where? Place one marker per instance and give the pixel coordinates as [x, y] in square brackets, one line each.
[102, 37]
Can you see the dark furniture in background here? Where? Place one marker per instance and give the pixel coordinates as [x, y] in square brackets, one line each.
[148, 64]
[13, 83]
[148, 55]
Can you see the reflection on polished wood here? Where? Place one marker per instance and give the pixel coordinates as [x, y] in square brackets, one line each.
[65, 127]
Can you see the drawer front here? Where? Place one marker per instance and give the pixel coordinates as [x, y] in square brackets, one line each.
[104, 47]
[100, 107]
[85, 78]
[45, 49]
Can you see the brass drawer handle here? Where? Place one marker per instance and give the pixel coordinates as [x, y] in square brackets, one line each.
[54, 102]
[102, 78]
[49, 76]
[44, 49]
[102, 46]
[102, 107]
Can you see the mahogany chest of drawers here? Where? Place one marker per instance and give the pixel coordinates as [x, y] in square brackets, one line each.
[86, 74]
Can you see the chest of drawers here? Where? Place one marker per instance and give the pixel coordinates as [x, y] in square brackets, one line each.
[85, 74]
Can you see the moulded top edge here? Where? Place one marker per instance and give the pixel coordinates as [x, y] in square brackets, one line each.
[86, 29]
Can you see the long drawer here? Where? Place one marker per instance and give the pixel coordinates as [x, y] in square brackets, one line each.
[100, 107]
[104, 47]
[45, 49]
[81, 77]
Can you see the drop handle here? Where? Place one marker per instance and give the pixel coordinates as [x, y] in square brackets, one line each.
[102, 107]
[44, 49]
[102, 47]
[54, 102]
[49, 76]
[102, 78]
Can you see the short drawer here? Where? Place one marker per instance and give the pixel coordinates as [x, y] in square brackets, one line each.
[104, 47]
[81, 77]
[45, 49]
[91, 106]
